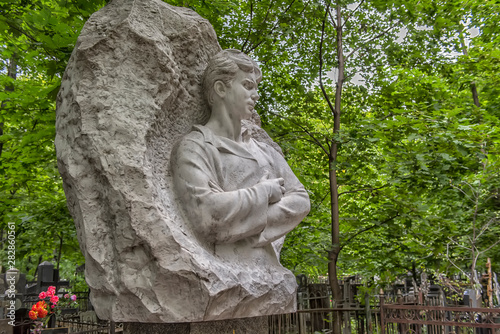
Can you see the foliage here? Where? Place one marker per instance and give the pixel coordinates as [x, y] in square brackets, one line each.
[411, 133]
[418, 132]
[36, 41]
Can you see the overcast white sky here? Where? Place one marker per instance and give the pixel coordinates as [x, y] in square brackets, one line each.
[357, 79]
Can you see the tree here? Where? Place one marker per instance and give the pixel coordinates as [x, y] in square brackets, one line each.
[393, 147]
[36, 42]
[401, 148]
[480, 221]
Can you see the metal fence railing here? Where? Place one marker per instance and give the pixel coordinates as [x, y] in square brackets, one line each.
[424, 319]
[399, 311]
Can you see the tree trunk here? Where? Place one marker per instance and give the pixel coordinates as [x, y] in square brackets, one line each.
[475, 96]
[333, 254]
[473, 88]
[61, 239]
[334, 196]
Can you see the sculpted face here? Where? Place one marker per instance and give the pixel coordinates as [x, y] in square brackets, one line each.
[241, 96]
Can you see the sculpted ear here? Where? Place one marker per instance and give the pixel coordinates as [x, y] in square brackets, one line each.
[220, 88]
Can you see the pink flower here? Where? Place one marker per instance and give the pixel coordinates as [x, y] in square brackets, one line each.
[52, 306]
[54, 299]
[73, 298]
[51, 291]
[66, 296]
[42, 295]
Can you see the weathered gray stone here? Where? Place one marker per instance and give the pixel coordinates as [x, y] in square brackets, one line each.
[130, 92]
[177, 328]
[258, 325]
[5, 327]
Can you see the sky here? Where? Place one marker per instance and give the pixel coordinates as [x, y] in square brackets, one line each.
[358, 80]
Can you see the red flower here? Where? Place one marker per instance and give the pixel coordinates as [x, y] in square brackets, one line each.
[33, 315]
[54, 299]
[41, 304]
[42, 313]
[42, 295]
[39, 310]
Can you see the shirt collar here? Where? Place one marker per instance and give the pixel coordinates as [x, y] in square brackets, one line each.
[223, 144]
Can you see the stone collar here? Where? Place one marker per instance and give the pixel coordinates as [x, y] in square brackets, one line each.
[223, 144]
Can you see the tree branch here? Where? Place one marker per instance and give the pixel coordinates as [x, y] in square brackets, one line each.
[463, 192]
[332, 19]
[267, 13]
[273, 28]
[485, 227]
[332, 108]
[363, 189]
[316, 141]
[328, 143]
[371, 40]
[449, 259]
[367, 229]
[249, 27]
[322, 200]
[487, 249]
[350, 15]
[19, 30]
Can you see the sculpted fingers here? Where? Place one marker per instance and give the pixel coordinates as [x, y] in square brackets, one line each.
[264, 177]
[215, 188]
[275, 187]
[282, 185]
[276, 190]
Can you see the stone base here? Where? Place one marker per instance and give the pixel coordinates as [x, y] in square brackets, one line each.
[257, 325]
[5, 328]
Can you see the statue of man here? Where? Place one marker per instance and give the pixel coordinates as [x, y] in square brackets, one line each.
[238, 194]
[184, 227]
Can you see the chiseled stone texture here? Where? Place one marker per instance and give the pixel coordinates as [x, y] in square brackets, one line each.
[258, 325]
[130, 91]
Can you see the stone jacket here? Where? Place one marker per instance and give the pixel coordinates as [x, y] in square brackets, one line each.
[216, 180]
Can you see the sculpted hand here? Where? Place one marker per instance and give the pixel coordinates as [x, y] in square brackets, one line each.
[275, 187]
[215, 188]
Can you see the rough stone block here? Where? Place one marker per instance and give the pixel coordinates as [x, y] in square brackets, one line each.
[130, 92]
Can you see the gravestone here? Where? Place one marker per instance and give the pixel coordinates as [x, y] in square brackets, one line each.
[19, 278]
[130, 93]
[47, 276]
[13, 288]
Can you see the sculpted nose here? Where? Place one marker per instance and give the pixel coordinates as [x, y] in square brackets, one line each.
[255, 96]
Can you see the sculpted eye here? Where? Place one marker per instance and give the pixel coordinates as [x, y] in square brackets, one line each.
[248, 85]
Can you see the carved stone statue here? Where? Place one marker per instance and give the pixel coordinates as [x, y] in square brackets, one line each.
[180, 210]
[238, 194]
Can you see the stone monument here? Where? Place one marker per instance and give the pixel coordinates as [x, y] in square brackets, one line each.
[181, 202]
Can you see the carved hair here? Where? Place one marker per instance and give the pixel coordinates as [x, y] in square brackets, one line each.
[224, 66]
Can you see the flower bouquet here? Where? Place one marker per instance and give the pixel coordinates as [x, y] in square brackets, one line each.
[49, 304]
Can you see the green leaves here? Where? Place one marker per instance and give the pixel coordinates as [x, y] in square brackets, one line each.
[414, 129]
[408, 133]
[36, 42]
